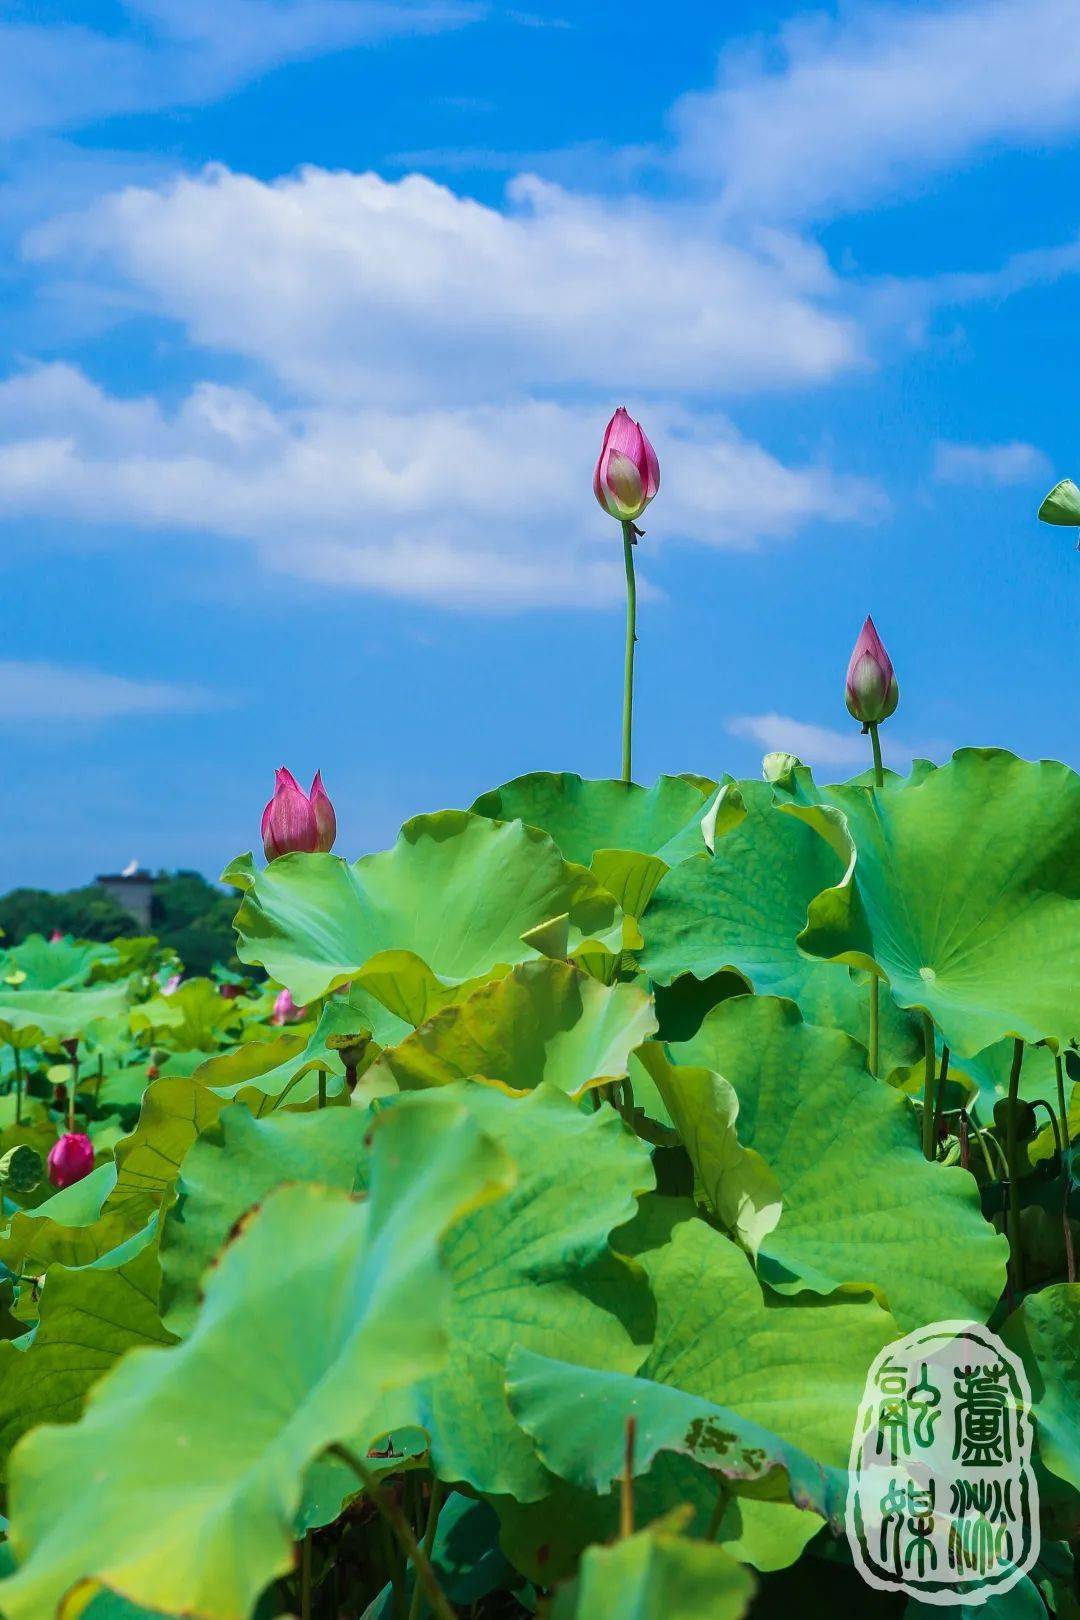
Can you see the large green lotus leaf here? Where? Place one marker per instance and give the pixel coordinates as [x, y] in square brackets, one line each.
[175, 1111]
[656, 1573]
[87, 1319]
[194, 1018]
[862, 1207]
[545, 1021]
[586, 816]
[285, 1068]
[60, 1015]
[61, 964]
[67, 1229]
[534, 1270]
[233, 1167]
[743, 907]
[1021, 1602]
[733, 1181]
[576, 1417]
[190, 1460]
[963, 885]
[457, 890]
[1062, 505]
[1045, 1334]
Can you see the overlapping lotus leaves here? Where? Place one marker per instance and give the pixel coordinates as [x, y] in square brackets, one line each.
[845, 1152]
[733, 1181]
[656, 1573]
[457, 890]
[264, 1073]
[60, 964]
[744, 906]
[963, 885]
[534, 1270]
[209, 1467]
[576, 1417]
[584, 816]
[235, 1165]
[545, 1021]
[1045, 1334]
[87, 1319]
[67, 1229]
[60, 1015]
[193, 1019]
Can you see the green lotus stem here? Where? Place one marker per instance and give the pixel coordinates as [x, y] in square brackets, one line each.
[929, 1074]
[100, 1077]
[322, 1088]
[939, 1100]
[19, 1086]
[305, 1577]
[1012, 1156]
[1065, 1150]
[631, 638]
[434, 1504]
[72, 1087]
[879, 770]
[875, 1023]
[717, 1514]
[626, 1484]
[399, 1525]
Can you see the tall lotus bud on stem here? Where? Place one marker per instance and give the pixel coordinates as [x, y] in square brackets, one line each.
[70, 1159]
[295, 821]
[626, 478]
[870, 691]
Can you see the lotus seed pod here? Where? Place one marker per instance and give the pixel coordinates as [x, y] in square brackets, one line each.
[778, 768]
[21, 1169]
[350, 1048]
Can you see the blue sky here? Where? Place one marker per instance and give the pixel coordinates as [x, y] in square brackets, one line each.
[313, 312]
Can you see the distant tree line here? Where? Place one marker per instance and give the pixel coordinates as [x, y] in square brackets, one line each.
[189, 914]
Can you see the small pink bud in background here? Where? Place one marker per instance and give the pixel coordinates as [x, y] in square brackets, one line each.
[55, 937]
[172, 985]
[627, 473]
[871, 692]
[229, 992]
[285, 1009]
[70, 1159]
[152, 1071]
[295, 821]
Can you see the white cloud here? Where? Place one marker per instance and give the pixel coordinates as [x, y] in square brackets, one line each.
[38, 691]
[182, 52]
[833, 113]
[351, 288]
[487, 506]
[992, 464]
[821, 745]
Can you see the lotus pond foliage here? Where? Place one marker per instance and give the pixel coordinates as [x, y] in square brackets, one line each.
[514, 1233]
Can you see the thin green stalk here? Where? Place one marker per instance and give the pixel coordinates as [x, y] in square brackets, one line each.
[1066, 1167]
[929, 1146]
[18, 1086]
[305, 1578]
[717, 1513]
[939, 1100]
[399, 1525]
[631, 638]
[1012, 1156]
[434, 1504]
[879, 770]
[72, 1087]
[875, 1022]
[626, 1484]
[322, 1088]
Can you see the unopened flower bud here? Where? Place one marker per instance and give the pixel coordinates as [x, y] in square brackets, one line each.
[70, 1159]
[778, 768]
[870, 692]
[627, 474]
[295, 821]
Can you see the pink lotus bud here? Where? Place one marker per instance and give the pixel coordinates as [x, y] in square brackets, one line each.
[627, 473]
[172, 984]
[323, 811]
[229, 992]
[296, 821]
[285, 1009]
[70, 1159]
[871, 692]
[55, 937]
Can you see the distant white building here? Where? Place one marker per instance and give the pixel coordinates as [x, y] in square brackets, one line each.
[134, 890]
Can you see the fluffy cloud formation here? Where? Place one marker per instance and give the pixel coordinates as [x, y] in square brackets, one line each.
[486, 506]
[181, 52]
[36, 691]
[833, 113]
[821, 745]
[992, 464]
[352, 288]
